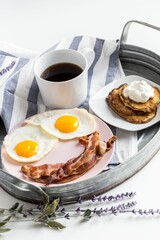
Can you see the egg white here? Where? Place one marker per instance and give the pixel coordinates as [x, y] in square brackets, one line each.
[87, 123]
[29, 132]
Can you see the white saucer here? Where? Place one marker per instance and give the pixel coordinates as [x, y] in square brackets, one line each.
[100, 107]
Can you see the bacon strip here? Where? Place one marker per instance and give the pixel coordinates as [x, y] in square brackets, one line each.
[73, 168]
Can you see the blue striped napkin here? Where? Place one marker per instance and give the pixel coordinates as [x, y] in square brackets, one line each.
[20, 97]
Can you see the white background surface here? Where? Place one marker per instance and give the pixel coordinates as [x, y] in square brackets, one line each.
[39, 24]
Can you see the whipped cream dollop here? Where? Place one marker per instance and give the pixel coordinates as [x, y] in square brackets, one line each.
[139, 91]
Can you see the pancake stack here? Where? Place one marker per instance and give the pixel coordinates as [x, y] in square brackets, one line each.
[131, 111]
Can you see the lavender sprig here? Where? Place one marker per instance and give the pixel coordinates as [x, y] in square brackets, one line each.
[110, 198]
[98, 211]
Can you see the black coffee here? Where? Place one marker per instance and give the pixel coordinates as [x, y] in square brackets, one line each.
[61, 72]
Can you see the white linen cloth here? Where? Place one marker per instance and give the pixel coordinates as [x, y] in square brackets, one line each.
[20, 97]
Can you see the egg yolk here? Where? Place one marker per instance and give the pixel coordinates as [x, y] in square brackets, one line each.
[26, 148]
[67, 124]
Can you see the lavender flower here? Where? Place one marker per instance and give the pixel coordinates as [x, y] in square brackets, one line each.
[110, 198]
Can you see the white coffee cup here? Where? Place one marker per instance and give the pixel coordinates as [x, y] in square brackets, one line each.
[69, 93]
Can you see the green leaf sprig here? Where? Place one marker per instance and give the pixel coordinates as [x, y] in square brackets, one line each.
[44, 215]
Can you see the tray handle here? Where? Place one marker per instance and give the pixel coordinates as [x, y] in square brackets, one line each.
[20, 189]
[126, 27]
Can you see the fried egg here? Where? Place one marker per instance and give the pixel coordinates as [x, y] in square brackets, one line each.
[66, 124]
[29, 143]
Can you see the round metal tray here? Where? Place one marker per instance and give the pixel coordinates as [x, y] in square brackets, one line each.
[137, 61]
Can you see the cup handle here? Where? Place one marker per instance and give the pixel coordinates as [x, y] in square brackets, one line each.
[89, 54]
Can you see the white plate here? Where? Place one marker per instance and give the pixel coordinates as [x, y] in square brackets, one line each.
[99, 106]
